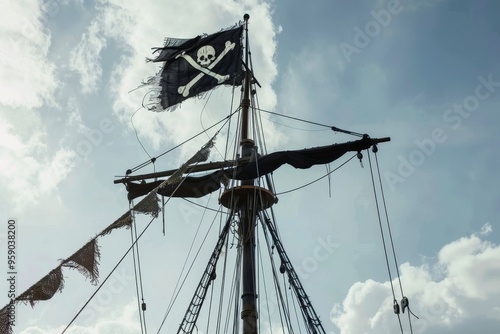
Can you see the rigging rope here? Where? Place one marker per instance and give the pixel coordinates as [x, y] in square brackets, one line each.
[221, 297]
[265, 293]
[143, 305]
[163, 213]
[201, 121]
[293, 127]
[210, 307]
[258, 271]
[136, 134]
[136, 260]
[119, 262]
[295, 309]
[177, 291]
[199, 205]
[327, 166]
[229, 125]
[387, 219]
[395, 303]
[264, 145]
[107, 277]
[235, 288]
[404, 301]
[256, 117]
[144, 164]
[275, 276]
[287, 303]
[209, 274]
[334, 128]
[314, 181]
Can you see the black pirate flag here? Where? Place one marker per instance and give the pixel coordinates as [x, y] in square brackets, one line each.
[194, 66]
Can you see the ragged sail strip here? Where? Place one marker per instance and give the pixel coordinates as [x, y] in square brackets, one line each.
[176, 184]
[124, 221]
[149, 205]
[195, 66]
[86, 261]
[5, 319]
[200, 156]
[44, 289]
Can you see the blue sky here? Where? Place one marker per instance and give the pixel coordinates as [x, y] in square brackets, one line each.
[427, 76]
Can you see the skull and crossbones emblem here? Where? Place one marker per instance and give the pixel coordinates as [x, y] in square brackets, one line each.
[205, 61]
[205, 55]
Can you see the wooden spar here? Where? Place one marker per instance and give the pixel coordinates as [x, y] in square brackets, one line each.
[212, 165]
[192, 169]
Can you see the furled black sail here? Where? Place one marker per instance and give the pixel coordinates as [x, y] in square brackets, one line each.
[192, 186]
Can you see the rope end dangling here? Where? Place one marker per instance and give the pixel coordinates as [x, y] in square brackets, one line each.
[405, 303]
[360, 157]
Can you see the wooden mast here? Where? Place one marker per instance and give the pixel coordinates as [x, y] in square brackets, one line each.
[247, 199]
[247, 213]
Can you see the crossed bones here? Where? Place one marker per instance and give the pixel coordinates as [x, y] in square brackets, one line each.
[184, 90]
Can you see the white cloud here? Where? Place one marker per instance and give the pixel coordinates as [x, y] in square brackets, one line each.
[139, 28]
[26, 75]
[29, 170]
[85, 58]
[56, 170]
[75, 116]
[121, 320]
[486, 229]
[112, 22]
[460, 288]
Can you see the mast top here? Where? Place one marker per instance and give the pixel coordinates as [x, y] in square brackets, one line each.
[245, 102]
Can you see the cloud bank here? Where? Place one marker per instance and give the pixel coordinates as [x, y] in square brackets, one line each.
[458, 289]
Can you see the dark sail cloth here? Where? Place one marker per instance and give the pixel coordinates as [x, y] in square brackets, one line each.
[200, 186]
[193, 66]
[190, 186]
